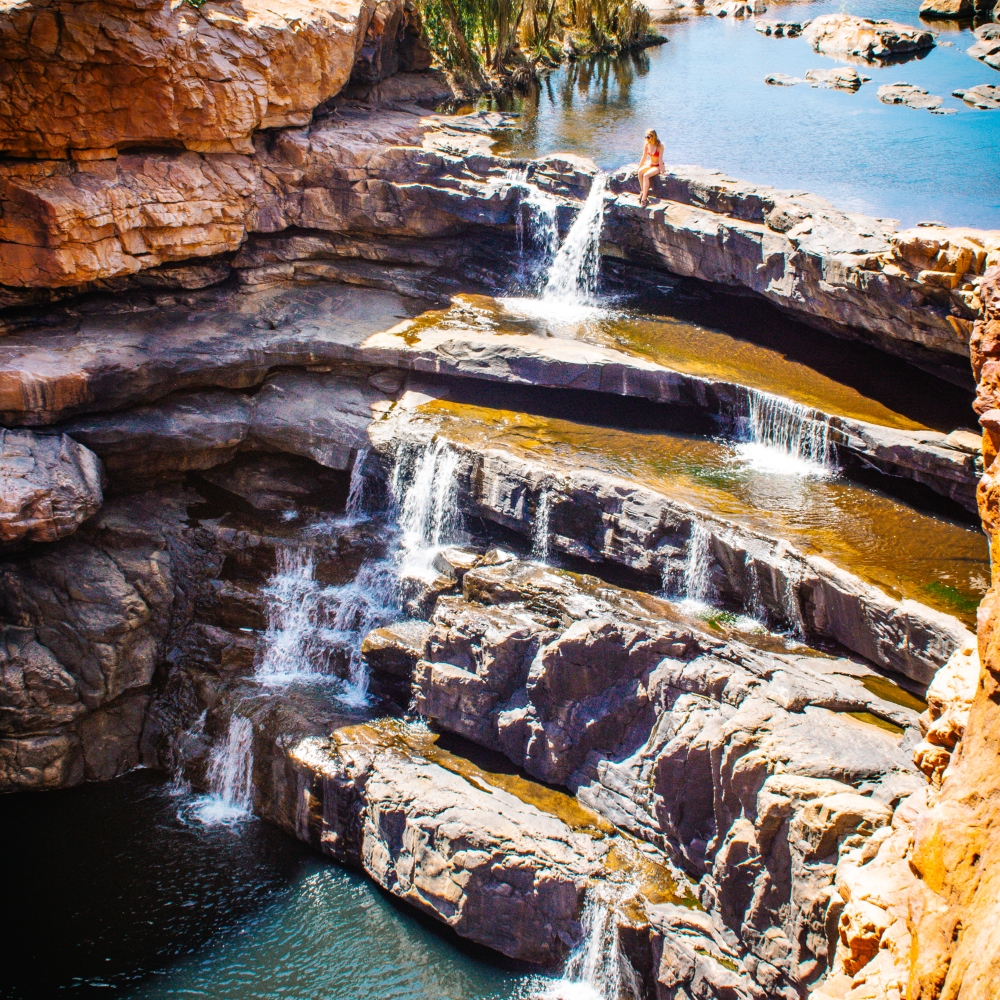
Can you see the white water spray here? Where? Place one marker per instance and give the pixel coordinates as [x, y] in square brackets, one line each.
[230, 778]
[596, 969]
[698, 586]
[356, 491]
[425, 487]
[540, 528]
[314, 631]
[785, 438]
[574, 272]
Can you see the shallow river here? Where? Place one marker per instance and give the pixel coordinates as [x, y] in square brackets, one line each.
[704, 92]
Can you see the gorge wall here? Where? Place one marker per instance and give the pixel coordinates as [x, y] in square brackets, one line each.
[215, 230]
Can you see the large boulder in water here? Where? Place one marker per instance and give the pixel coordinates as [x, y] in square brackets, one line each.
[863, 38]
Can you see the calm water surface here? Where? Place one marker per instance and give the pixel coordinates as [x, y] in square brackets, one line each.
[114, 895]
[704, 92]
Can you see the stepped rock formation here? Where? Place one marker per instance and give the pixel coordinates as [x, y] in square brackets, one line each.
[202, 260]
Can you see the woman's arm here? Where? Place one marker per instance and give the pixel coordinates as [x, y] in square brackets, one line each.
[645, 156]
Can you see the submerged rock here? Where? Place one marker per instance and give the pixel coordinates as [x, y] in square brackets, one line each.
[863, 38]
[782, 80]
[780, 29]
[912, 97]
[838, 78]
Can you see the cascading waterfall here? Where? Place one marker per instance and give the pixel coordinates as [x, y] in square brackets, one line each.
[315, 631]
[753, 599]
[792, 608]
[575, 269]
[784, 437]
[540, 527]
[596, 969]
[424, 486]
[230, 778]
[697, 584]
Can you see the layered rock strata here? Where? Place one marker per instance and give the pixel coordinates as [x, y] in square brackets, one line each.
[920, 916]
[740, 763]
[402, 174]
[459, 344]
[96, 77]
[599, 517]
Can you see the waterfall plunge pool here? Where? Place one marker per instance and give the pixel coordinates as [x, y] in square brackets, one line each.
[115, 894]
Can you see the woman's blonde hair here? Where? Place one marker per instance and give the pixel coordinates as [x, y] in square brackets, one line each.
[651, 134]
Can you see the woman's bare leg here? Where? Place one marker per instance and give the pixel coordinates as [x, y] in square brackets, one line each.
[645, 176]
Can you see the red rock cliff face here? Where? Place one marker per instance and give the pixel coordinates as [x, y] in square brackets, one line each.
[956, 936]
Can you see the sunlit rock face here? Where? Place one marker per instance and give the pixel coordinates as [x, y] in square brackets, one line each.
[922, 903]
[97, 76]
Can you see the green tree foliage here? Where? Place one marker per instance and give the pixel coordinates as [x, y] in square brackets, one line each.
[499, 42]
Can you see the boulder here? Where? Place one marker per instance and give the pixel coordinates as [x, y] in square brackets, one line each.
[985, 97]
[838, 78]
[950, 10]
[862, 38]
[96, 76]
[986, 48]
[912, 97]
[49, 485]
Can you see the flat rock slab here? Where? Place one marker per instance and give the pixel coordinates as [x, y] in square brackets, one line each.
[946, 464]
[912, 97]
[113, 360]
[49, 485]
[436, 833]
[985, 97]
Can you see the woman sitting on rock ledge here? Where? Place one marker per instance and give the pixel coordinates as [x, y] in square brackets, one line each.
[650, 165]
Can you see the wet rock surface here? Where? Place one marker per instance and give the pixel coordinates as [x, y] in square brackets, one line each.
[600, 517]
